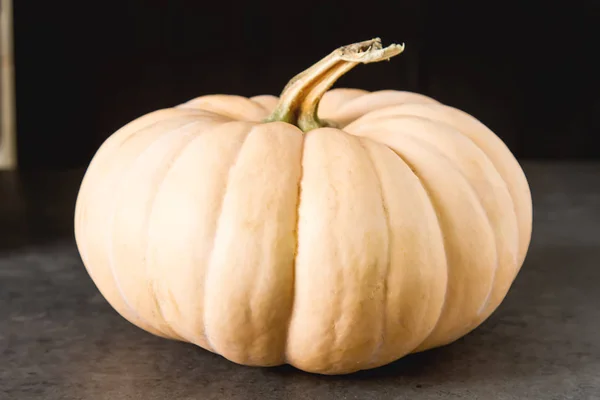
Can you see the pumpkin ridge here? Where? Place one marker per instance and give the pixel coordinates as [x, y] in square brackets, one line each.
[444, 246]
[120, 141]
[354, 103]
[506, 186]
[189, 114]
[185, 134]
[86, 192]
[116, 142]
[489, 160]
[386, 214]
[337, 276]
[163, 176]
[494, 162]
[433, 149]
[334, 98]
[437, 216]
[222, 105]
[444, 243]
[209, 264]
[296, 250]
[345, 104]
[112, 220]
[254, 99]
[492, 166]
[372, 116]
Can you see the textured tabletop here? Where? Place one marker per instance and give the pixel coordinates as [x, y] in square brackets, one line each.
[59, 339]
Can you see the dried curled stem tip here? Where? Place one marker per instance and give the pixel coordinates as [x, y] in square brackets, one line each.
[300, 98]
[368, 51]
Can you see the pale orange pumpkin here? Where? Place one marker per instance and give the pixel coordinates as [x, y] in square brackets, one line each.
[389, 224]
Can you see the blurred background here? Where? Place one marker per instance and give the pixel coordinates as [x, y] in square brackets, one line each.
[529, 70]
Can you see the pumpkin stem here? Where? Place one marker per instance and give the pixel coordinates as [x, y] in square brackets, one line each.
[300, 98]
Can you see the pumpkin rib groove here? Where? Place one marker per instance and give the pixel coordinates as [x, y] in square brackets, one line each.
[416, 98]
[509, 188]
[136, 127]
[189, 136]
[444, 245]
[430, 148]
[443, 238]
[348, 102]
[510, 193]
[115, 143]
[397, 112]
[170, 163]
[487, 156]
[433, 149]
[205, 103]
[187, 113]
[506, 186]
[441, 153]
[334, 98]
[112, 219]
[209, 265]
[494, 169]
[118, 141]
[487, 159]
[264, 106]
[296, 250]
[160, 180]
[386, 215]
[497, 139]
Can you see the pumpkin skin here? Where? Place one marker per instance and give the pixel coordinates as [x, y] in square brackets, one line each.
[333, 250]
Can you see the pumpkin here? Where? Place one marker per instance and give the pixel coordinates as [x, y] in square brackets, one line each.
[335, 230]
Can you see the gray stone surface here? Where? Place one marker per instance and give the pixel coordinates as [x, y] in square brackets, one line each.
[59, 339]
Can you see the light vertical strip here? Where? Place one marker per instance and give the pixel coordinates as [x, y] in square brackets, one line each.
[8, 139]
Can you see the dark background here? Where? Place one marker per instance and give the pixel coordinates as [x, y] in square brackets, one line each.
[83, 69]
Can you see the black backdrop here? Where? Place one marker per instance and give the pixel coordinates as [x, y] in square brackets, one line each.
[530, 72]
